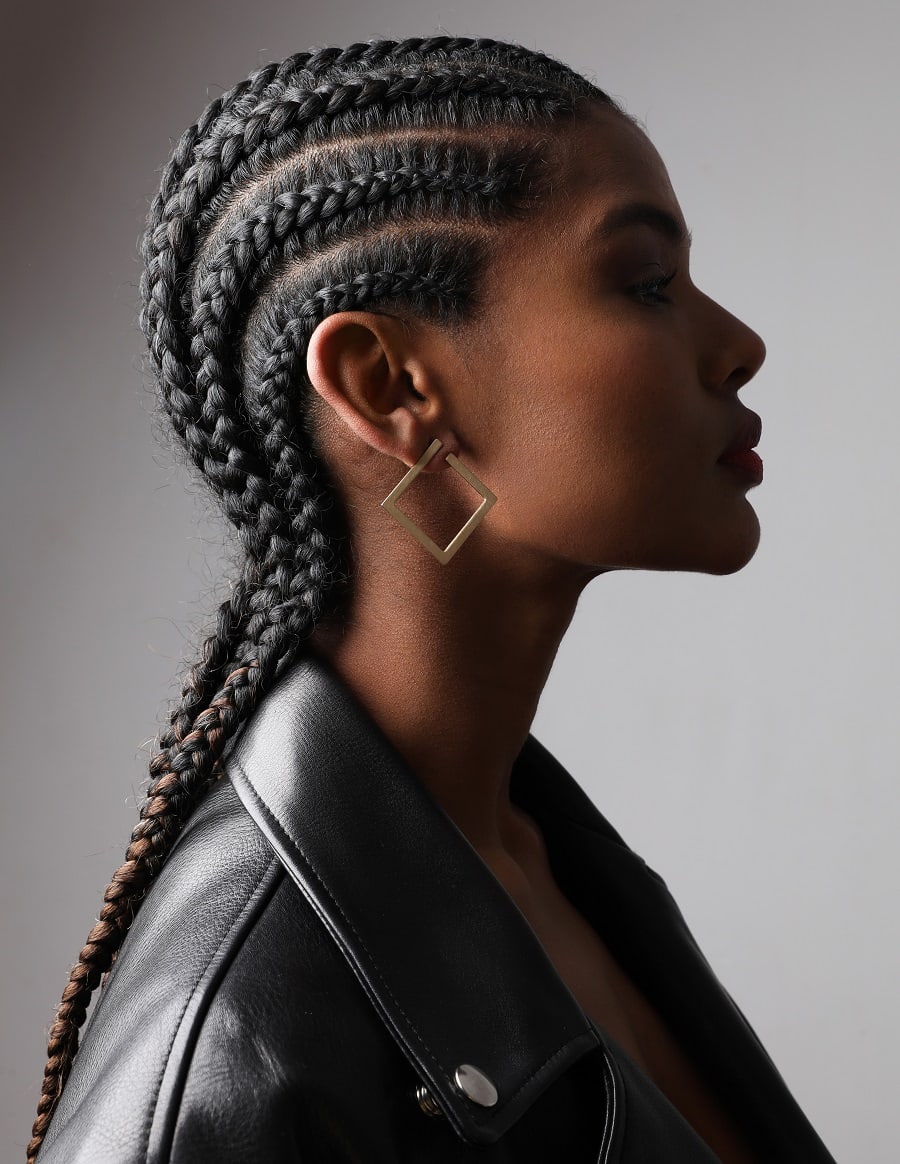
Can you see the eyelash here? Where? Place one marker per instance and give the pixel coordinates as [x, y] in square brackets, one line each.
[649, 291]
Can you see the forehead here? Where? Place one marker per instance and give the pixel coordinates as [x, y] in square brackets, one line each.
[605, 163]
[605, 149]
[606, 175]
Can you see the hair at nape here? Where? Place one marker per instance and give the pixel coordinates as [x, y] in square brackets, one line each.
[372, 177]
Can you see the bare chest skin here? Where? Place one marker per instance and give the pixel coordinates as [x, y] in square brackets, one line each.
[608, 996]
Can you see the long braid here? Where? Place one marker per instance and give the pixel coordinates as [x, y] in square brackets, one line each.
[374, 176]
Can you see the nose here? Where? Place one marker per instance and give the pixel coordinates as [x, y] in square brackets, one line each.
[732, 352]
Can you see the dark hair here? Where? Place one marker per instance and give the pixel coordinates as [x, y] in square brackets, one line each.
[370, 177]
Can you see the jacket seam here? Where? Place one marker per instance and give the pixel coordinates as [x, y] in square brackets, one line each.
[198, 980]
[543, 1067]
[615, 1123]
[274, 820]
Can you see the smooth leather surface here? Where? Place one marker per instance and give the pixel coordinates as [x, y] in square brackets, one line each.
[322, 940]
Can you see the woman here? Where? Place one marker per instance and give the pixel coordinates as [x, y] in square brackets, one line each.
[382, 923]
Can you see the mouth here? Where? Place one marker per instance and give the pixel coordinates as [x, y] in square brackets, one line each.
[740, 455]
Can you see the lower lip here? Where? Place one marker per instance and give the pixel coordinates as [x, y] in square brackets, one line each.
[748, 463]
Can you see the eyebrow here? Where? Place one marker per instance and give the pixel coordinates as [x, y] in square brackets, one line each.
[641, 214]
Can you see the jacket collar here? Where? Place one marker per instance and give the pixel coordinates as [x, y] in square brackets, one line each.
[449, 963]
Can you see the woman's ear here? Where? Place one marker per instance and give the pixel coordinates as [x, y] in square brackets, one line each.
[367, 369]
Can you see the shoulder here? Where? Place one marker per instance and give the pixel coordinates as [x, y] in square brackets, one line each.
[127, 1080]
[227, 1027]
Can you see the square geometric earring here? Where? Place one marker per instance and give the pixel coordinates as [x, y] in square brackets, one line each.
[442, 555]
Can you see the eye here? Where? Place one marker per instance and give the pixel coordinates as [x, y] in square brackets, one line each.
[651, 290]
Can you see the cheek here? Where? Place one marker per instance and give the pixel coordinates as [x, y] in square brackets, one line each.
[607, 411]
[603, 440]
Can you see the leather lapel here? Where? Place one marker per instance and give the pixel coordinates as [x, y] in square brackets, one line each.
[447, 960]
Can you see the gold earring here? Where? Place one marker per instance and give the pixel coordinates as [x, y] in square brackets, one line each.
[389, 503]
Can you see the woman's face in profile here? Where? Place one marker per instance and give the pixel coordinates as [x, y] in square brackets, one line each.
[608, 381]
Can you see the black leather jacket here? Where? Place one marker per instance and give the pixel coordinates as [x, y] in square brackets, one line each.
[323, 950]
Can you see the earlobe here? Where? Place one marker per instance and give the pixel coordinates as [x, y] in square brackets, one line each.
[360, 365]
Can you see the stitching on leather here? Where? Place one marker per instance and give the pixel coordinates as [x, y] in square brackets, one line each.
[287, 836]
[148, 1123]
[556, 1055]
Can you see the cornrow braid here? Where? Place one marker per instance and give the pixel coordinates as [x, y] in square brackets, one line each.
[314, 63]
[297, 109]
[376, 176]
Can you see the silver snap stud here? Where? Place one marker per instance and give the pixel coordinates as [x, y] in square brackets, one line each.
[475, 1085]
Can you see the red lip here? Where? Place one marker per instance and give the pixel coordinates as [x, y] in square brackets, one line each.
[740, 455]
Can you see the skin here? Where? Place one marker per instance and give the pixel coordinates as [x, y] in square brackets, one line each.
[597, 413]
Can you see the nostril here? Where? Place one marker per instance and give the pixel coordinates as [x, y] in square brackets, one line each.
[739, 377]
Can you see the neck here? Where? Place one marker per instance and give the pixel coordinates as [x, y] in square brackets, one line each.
[450, 662]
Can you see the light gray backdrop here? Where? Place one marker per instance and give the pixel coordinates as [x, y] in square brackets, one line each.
[741, 732]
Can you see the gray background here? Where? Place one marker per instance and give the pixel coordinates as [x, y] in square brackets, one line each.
[741, 732]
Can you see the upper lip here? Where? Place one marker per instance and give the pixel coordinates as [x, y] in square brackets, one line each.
[746, 437]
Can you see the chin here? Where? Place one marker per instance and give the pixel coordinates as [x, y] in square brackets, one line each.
[735, 552]
[713, 547]
[719, 551]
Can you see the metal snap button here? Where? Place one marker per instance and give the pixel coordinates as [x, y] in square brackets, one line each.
[426, 1102]
[475, 1085]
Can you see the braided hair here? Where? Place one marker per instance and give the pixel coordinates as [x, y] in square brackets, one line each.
[372, 177]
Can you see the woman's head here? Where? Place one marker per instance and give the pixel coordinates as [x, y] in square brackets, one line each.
[382, 179]
[412, 230]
